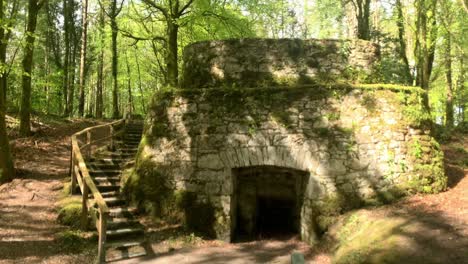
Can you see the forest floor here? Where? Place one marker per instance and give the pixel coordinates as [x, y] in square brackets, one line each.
[417, 229]
[29, 232]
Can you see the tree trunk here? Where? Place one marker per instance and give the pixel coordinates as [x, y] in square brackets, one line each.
[362, 8]
[131, 107]
[425, 45]
[139, 83]
[402, 41]
[84, 36]
[99, 88]
[5, 34]
[172, 46]
[66, 71]
[449, 119]
[25, 110]
[7, 170]
[115, 91]
[71, 78]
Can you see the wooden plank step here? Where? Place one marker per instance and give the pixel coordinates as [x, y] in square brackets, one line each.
[126, 212]
[105, 184]
[124, 232]
[108, 188]
[124, 253]
[107, 194]
[105, 179]
[125, 243]
[102, 166]
[108, 172]
[111, 225]
[126, 148]
[114, 201]
[107, 160]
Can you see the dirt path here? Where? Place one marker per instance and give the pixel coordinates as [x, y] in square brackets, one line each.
[28, 225]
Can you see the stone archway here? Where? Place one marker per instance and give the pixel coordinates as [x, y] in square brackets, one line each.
[267, 201]
[298, 163]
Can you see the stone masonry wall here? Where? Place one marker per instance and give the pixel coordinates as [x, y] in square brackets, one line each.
[268, 62]
[357, 146]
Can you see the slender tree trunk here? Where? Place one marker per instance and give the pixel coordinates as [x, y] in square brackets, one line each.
[7, 170]
[84, 36]
[99, 99]
[66, 71]
[172, 57]
[462, 102]
[5, 35]
[25, 110]
[449, 118]
[131, 107]
[46, 73]
[402, 41]
[139, 83]
[425, 45]
[71, 87]
[115, 91]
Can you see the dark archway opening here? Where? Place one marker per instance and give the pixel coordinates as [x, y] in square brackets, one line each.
[268, 201]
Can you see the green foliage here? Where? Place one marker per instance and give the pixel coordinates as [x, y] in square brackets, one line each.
[416, 149]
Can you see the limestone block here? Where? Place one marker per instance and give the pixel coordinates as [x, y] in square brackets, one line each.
[210, 161]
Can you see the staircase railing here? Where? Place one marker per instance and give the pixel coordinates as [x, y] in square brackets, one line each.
[84, 144]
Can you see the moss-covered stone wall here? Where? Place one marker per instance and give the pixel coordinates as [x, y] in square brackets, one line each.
[357, 144]
[269, 62]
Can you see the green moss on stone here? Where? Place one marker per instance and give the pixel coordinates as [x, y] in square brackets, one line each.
[69, 211]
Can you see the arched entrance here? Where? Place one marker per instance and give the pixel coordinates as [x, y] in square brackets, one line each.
[268, 201]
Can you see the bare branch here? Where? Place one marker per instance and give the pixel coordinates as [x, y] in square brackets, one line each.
[187, 5]
[159, 7]
[139, 38]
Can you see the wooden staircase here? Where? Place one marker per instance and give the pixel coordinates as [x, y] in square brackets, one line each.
[121, 236]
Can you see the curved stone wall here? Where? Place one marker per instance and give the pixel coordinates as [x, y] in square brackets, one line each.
[268, 62]
[357, 146]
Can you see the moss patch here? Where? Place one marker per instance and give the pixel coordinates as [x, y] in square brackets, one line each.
[69, 211]
[366, 240]
[75, 241]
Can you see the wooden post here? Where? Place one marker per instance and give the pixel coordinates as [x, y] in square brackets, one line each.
[111, 127]
[72, 171]
[84, 204]
[102, 236]
[88, 142]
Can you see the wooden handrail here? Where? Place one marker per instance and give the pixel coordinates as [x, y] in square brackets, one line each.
[80, 174]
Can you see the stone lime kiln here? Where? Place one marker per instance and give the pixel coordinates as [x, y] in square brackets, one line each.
[270, 136]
